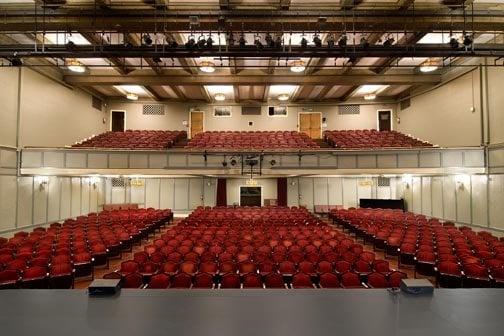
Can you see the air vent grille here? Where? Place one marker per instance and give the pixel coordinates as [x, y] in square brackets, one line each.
[118, 182]
[349, 109]
[153, 109]
[383, 182]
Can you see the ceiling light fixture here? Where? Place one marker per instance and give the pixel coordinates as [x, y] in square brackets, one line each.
[429, 66]
[297, 66]
[75, 66]
[370, 96]
[283, 97]
[207, 66]
[220, 97]
[132, 96]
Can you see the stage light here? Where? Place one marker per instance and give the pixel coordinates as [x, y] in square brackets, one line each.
[220, 97]
[454, 43]
[278, 41]
[147, 39]
[70, 45]
[16, 61]
[207, 66]
[242, 42]
[191, 43]
[283, 97]
[389, 41]
[201, 42]
[330, 41]
[209, 42]
[258, 43]
[297, 66]
[269, 40]
[224, 164]
[273, 162]
[468, 41]
[343, 41]
[233, 162]
[304, 42]
[75, 66]
[317, 41]
[132, 96]
[156, 59]
[364, 42]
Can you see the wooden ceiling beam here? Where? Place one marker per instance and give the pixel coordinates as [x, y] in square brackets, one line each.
[349, 93]
[180, 94]
[153, 93]
[236, 92]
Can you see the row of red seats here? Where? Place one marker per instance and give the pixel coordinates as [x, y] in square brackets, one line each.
[457, 256]
[133, 139]
[285, 250]
[53, 257]
[371, 139]
[241, 140]
[254, 280]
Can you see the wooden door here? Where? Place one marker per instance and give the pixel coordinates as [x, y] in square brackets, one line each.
[311, 124]
[384, 121]
[315, 125]
[196, 122]
[117, 121]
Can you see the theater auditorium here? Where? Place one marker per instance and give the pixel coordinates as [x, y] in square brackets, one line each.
[252, 167]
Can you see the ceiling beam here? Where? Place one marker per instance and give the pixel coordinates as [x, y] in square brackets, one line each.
[349, 93]
[265, 93]
[98, 41]
[349, 4]
[206, 95]
[372, 39]
[167, 79]
[180, 94]
[323, 92]
[407, 40]
[136, 40]
[153, 93]
[236, 92]
[285, 4]
[158, 4]
[404, 4]
[188, 64]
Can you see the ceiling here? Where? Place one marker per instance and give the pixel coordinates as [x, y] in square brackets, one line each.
[126, 46]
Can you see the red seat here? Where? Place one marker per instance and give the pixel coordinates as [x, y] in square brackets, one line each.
[377, 280]
[252, 280]
[132, 280]
[9, 279]
[301, 280]
[230, 280]
[329, 280]
[159, 281]
[181, 280]
[34, 277]
[274, 280]
[350, 280]
[203, 280]
[395, 278]
[128, 267]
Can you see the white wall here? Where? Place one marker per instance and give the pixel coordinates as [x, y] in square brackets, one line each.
[443, 116]
[9, 77]
[473, 200]
[496, 103]
[175, 114]
[23, 203]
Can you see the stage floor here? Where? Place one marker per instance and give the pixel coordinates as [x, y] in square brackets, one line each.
[229, 312]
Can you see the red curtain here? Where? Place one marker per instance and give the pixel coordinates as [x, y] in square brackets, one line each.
[282, 191]
[221, 192]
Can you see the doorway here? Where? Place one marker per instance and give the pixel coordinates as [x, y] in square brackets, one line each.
[250, 196]
[196, 119]
[117, 121]
[384, 120]
[310, 123]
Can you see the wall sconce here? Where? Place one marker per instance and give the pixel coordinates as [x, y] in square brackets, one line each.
[407, 180]
[462, 181]
[42, 181]
[293, 183]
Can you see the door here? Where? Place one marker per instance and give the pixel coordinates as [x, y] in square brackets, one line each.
[384, 120]
[117, 124]
[311, 124]
[250, 196]
[196, 123]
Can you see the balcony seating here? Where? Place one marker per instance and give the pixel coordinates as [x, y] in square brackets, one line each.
[366, 139]
[268, 247]
[256, 140]
[53, 257]
[456, 256]
[133, 139]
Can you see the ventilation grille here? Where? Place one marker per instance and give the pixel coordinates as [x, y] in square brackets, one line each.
[405, 104]
[118, 182]
[349, 109]
[96, 103]
[251, 110]
[383, 182]
[151, 109]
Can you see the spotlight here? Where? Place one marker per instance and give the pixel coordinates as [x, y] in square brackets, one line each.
[231, 40]
[147, 39]
[224, 164]
[343, 41]
[16, 61]
[70, 45]
[317, 41]
[454, 43]
[269, 40]
[278, 41]
[201, 42]
[209, 42]
[233, 162]
[156, 59]
[388, 42]
[330, 41]
[242, 42]
[258, 43]
[364, 43]
[304, 42]
[191, 43]
[468, 41]
[273, 162]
